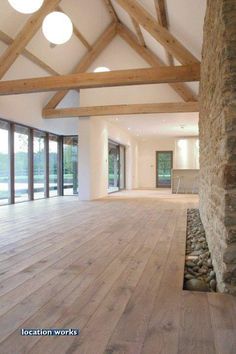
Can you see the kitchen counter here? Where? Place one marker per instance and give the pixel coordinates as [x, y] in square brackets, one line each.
[185, 181]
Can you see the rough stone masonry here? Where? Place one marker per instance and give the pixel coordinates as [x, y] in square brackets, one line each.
[217, 125]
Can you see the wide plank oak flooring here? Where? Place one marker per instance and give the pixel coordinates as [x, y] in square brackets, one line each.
[111, 267]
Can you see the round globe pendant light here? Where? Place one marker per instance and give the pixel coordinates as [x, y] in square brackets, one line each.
[26, 6]
[57, 27]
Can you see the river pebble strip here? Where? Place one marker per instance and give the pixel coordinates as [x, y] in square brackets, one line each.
[199, 274]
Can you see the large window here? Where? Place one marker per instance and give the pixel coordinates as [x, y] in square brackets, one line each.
[36, 164]
[39, 165]
[70, 165]
[21, 160]
[4, 163]
[53, 165]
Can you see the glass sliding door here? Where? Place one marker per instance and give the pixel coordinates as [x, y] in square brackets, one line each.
[39, 164]
[113, 167]
[53, 165]
[164, 163]
[70, 165]
[21, 162]
[4, 163]
[116, 167]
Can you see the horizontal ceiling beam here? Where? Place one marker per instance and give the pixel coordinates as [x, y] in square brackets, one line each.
[102, 79]
[175, 107]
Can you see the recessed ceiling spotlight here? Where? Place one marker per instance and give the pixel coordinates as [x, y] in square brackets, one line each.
[26, 6]
[117, 118]
[163, 120]
[101, 69]
[129, 128]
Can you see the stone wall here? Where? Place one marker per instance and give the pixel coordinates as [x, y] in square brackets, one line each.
[217, 126]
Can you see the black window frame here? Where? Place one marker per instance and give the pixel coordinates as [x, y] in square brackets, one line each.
[32, 130]
[62, 159]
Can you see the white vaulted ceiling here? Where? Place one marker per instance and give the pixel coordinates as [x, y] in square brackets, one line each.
[91, 17]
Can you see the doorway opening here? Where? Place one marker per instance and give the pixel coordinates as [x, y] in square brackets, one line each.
[164, 165]
[116, 167]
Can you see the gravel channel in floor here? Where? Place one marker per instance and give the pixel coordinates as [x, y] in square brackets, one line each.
[199, 274]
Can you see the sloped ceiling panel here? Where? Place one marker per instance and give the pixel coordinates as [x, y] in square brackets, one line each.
[123, 16]
[90, 16]
[186, 18]
[11, 21]
[23, 68]
[156, 47]
[62, 58]
[127, 58]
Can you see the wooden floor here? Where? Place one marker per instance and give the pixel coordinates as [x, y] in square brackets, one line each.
[114, 269]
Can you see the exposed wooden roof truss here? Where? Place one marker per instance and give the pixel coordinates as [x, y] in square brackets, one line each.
[157, 27]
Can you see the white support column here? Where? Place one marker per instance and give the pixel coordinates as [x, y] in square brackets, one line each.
[131, 166]
[93, 158]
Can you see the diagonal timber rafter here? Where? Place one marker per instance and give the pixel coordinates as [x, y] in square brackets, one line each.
[183, 91]
[161, 34]
[87, 60]
[25, 35]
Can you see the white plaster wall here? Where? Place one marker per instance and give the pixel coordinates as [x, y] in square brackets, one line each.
[187, 153]
[27, 109]
[185, 156]
[99, 158]
[147, 159]
[94, 133]
[93, 160]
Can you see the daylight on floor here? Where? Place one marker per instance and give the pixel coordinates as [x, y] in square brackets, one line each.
[118, 177]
